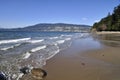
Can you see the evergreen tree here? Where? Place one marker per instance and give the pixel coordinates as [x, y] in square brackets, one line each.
[111, 22]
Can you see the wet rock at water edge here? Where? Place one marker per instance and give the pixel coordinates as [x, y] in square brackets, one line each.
[25, 70]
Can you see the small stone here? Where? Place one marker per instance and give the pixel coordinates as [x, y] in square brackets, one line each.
[25, 70]
[83, 64]
[14, 76]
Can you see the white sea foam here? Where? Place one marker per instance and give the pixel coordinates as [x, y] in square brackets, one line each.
[26, 55]
[62, 35]
[6, 48]
[19, 76]
[53, 37]
[68, 39]
[38, 48]
[14, 40]
[36, 41]
[60, 41]
[53, 54]
[10, 47]
[66, 36]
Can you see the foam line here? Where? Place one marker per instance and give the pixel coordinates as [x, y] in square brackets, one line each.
[14, 40]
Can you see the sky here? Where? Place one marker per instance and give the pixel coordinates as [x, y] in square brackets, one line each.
[21, 13]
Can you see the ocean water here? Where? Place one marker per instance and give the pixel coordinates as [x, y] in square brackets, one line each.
[32, 49]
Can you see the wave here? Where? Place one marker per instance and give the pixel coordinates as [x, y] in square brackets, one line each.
[10, 47]
[6, 48]
[53, 37]
[53, 54]
[60, 41]
[68, 39]
[14, 40]
[38, 48]
[66, 35]
[26, 55]
[36, 41]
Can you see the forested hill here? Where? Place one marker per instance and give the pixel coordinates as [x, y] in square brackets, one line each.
[55, 27]
[109, 23]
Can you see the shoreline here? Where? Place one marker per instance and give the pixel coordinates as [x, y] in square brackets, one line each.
[108, 32]
[86, 59]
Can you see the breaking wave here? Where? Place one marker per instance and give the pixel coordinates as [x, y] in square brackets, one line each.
[13, 40]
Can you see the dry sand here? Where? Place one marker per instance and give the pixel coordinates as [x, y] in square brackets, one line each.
[86, 59]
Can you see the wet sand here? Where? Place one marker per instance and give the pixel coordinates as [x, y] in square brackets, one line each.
[86, 59]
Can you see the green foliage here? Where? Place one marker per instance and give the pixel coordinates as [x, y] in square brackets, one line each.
[109, 23]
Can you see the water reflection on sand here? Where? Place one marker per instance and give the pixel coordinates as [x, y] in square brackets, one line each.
[112, 40]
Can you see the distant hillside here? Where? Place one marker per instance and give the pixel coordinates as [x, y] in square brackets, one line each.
[109, 23]
[55, 27]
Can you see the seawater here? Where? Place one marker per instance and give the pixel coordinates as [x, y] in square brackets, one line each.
[32, 49]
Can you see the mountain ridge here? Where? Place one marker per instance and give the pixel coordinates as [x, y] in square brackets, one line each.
[53, 27]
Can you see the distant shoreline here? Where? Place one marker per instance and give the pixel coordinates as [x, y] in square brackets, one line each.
[108, 32]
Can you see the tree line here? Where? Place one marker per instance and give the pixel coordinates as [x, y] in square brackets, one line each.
[110, 23]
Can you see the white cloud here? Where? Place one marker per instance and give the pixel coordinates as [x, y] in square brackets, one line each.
[84, 19]
[96, 20]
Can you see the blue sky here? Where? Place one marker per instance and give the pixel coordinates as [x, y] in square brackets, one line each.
[21, 13]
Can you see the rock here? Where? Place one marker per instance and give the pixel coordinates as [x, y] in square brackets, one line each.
[25, 70]
[83, 64]
[2, 76]
[35, 74]
[38, 73]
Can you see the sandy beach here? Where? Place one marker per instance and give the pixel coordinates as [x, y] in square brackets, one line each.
[108, 32]
[86, 59]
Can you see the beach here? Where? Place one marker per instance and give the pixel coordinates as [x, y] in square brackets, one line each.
[64, 56]
[87, 59]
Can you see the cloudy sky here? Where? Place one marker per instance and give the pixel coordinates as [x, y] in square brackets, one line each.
[21, 13]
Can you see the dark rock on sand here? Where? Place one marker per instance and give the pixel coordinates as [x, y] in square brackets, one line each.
[83, 64]
[25, 70]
